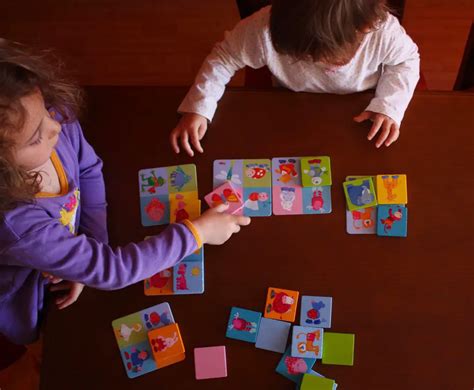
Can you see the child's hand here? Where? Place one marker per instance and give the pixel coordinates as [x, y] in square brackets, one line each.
[51, 278]
[192, 127]
[390, 130]
[70, 296]
[215, 227]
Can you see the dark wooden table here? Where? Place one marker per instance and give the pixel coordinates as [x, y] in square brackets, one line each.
[409, 301]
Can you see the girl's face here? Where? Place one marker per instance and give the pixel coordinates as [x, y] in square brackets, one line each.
[39, 135]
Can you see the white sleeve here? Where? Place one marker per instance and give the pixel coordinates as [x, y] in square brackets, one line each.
[242, 46]
[400, 72]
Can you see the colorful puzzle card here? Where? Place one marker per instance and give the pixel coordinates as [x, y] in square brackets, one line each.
[392, 189]
[226, 193]
[316, 171]
[252, 180]
[167, 194]
[290, 196]
[293, 368]
[281, 304]
[166, 345]
[360, 193]
[307, 342]
[316, 311]
[392, 220]
[131, 333]
[361, 221]
[243, 324]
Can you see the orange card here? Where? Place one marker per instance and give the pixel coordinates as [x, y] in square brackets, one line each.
[281, 304]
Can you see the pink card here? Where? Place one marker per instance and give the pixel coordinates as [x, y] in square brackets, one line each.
[226, 193]
[210, 362]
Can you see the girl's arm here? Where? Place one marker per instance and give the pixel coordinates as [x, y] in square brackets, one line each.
[93, 216]
[400, 73]
[48, 246]
[242, 46]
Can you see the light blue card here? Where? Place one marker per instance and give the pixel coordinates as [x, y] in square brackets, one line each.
[392, 220]
[273, 335]
[243, 324]
[316, 311]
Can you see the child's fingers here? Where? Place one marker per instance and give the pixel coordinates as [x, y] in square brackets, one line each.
[174, 141]
[363, 116]
[394, 134]
[242, 221]
[55, 280]
[375, 127]
[384, 134]
[195, 140]
[185, 143]
[236, 228]
[202, 130]
[221, 207]
[68, 301]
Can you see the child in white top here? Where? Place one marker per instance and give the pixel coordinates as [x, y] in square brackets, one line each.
[332, 46]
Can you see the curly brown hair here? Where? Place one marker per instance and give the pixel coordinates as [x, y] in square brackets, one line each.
[323, 30]
[23, 72]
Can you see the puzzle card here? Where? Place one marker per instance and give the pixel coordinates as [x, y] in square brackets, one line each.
[252, 179]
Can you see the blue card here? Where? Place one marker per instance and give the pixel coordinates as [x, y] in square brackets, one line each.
[188, 277]
[138, 359]
[316, 311]
[273, 335]
[293, 368]
[307, 342]
[392, 220]
[317, 200]
[243, 324]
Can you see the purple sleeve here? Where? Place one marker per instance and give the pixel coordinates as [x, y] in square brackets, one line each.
[93, 216]
[84, 259]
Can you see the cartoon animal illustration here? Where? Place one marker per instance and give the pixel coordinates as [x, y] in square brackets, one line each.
[287, 197]
[180, 212]
[69, 210]
[362, 218]
[160, 343]
[308, 344]
[317, 200]
[315, 171]
[256, 171]
[228, 195]
[360, 195]
[135, 359]
[287, 170]
[153, 319]
[242, 325]
[391, 219]
[390, 183]
[151, 183]
[281, 302]
[295, 365]
[253, 199]
[229, 175]
[181, 282]
[125, 331]
[160, 279]
[313, 315]
[179, 178]
[155, 209]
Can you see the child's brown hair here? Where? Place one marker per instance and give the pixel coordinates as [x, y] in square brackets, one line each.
[323, 30]
[23, 72]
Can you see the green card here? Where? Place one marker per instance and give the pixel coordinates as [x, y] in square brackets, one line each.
[338, 348]
[313, 382]
[360, 193]
[316, 171]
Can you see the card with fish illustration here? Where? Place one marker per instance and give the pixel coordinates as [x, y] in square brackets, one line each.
[392, 220]
[252, 179]
[243, 324]
[316, 311]
[361, 221]
[316, 171]
[291, 196]
[360, 193]
[392, 189]
[228, 194]
[187, 277]
[131, 333]
[293, 368]
[166, 193]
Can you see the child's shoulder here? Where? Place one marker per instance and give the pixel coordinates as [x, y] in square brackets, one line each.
[390, 27]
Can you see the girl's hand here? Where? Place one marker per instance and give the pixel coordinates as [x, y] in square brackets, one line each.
[192, 127]
[70, 296]
[390, 130]
[215, 227]
[51, 278]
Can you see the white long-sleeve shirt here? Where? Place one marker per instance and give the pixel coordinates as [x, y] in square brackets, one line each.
[387, 60]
